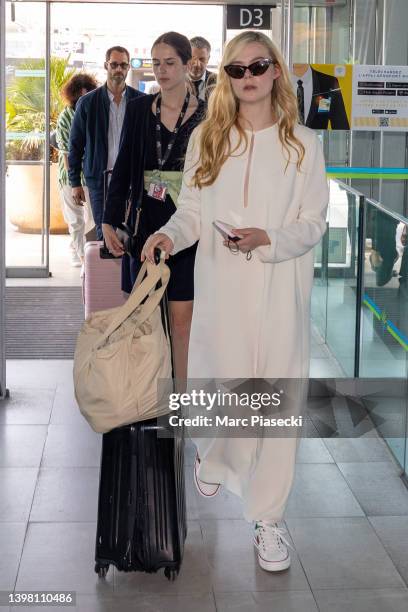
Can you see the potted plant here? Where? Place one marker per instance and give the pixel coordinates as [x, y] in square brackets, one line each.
[25, 126]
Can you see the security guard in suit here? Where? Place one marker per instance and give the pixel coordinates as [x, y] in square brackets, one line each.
[202, 79]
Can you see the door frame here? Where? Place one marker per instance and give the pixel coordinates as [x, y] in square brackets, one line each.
[37, 271]
[3, 391]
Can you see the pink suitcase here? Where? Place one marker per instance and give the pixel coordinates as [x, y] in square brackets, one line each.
[102, 280]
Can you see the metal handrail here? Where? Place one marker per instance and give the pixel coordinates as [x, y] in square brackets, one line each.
[371, 201]
[346, 187]
[387, 211]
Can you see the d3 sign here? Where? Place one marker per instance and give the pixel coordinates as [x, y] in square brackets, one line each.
[251, 18]
[240, 17]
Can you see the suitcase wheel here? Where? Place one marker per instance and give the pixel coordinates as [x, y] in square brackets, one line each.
[171, 574]
[101, 569]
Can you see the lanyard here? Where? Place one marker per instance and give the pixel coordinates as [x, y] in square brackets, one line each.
[162, 160]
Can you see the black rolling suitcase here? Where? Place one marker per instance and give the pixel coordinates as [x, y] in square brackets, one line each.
[142, 510]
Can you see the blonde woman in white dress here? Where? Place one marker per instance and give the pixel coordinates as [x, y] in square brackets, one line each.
[250, 164]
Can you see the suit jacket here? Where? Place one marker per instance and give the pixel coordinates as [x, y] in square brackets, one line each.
[88, 144]
[210, 79]
[327, 87]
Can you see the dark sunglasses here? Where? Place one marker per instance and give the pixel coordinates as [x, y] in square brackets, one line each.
[115, 65]
[235, 71]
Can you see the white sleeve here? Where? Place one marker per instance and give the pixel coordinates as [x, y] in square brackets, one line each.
[183, 227]
[300, 236]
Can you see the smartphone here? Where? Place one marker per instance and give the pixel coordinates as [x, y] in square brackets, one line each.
[225, 230]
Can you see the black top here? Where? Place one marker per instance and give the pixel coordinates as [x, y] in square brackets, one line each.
[156, 213]
[138, 153]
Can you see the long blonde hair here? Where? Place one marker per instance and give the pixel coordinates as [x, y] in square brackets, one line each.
[215, 142]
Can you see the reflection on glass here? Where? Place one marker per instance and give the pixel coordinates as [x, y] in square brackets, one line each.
[319, 293]
[385, 299]
[385, 311]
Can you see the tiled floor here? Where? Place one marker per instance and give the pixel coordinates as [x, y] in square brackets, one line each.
[25, 250]
[347, 519]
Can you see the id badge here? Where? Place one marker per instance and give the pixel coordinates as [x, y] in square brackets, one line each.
[158, 191]
[324, 105]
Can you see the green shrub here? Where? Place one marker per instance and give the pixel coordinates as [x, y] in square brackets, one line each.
[25, 107]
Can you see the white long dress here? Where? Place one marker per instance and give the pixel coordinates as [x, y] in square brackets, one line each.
[251, 319]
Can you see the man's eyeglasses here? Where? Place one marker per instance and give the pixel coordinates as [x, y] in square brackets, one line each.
[236, 71]
[115, 65]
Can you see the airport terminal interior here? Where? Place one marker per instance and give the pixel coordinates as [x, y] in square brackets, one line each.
[347, 515]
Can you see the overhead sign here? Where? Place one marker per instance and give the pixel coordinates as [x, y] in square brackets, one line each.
[241, 17]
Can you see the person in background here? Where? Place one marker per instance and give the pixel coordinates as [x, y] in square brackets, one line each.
[251, 166]
[78, 218]
[202, 79]
[96, 132]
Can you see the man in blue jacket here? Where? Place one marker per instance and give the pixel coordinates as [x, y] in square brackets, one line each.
[96, 132]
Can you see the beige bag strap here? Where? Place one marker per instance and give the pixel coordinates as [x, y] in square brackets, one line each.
[140, 276]
[155, 273]
[143, 269]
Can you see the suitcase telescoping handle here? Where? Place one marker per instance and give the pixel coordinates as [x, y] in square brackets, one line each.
[103, 251]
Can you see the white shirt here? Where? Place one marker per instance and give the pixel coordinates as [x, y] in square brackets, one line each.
[307, 82]
[116, 117]
[201, 87]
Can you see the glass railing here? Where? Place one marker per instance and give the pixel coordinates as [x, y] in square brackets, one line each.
[360, 301]
[384, 314]
[334, 304]
[384, 338]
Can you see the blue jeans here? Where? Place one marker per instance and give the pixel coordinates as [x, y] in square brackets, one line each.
[97, 205]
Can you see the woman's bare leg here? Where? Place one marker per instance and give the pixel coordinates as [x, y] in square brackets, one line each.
[180, 321]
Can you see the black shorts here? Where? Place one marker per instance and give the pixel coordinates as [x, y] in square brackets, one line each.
[181, 283]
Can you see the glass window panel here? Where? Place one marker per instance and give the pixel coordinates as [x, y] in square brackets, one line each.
[342, 275]
[384, 343]
[25, 133]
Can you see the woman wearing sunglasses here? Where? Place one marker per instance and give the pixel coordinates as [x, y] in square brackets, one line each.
[251, 166]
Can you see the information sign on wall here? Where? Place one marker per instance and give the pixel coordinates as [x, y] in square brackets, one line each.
[141, 63]
[380, 98]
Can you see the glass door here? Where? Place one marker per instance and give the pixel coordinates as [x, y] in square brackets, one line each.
[27, 156]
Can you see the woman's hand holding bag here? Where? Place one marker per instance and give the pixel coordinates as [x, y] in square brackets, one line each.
[156, 241]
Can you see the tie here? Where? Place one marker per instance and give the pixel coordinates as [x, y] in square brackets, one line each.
[300, 93]
[196, 85]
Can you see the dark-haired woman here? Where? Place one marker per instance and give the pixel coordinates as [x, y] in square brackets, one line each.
[77, 217]
[155, 136]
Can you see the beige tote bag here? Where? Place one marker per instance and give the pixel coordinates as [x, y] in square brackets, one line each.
[121, 354]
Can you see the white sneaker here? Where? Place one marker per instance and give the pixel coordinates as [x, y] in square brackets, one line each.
[206, 489]
[273, 554]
